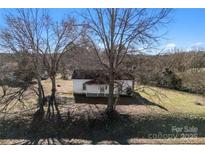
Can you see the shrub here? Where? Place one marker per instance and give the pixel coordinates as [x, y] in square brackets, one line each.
[170, 80]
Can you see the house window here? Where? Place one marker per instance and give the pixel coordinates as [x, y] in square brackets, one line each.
[84, 86]
[102, 89]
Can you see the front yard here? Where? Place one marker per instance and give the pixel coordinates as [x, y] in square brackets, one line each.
[158, 116]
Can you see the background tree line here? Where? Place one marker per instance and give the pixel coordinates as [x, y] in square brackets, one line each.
[178, 70]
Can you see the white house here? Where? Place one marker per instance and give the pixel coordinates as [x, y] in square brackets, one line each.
[94, 83]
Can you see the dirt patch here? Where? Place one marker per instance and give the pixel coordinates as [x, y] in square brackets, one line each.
[64, 87]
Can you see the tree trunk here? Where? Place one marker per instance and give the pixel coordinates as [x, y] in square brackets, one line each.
[119, 90]
[52, 101]
[41, 96]
[110, 106]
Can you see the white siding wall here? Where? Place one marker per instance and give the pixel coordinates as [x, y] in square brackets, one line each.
[78, 86]
[95, 88]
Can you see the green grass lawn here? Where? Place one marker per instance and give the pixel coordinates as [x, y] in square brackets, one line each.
[175, 102]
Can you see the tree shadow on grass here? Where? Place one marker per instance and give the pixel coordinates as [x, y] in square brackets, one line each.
[88, 124]
[96, 128]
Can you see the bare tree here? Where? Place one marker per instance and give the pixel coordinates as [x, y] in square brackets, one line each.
[120, 32]
[46, 41]
[60, 37]
[23, 34]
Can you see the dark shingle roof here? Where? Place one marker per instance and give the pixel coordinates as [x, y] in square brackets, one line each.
[99, 74]
[97, 81]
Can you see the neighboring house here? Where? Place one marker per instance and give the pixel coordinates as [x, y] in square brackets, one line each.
[94, 83]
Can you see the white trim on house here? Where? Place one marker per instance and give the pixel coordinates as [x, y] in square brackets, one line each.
[98, 90]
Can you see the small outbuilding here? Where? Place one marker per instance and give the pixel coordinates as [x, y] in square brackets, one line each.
[94, 83]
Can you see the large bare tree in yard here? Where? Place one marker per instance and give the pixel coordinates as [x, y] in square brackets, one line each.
[46, 41]
[61, 37]
[117, 33]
